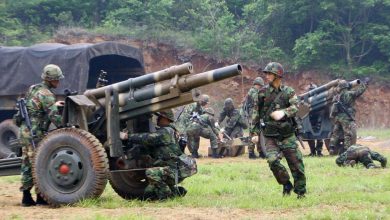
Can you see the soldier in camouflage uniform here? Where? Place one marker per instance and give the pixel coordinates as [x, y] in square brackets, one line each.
[203, 126]
[315, 120]
[277, 105]
[235, 123]
[184, 118]
[343, 114]
[43, 109]
[169, 160]
[250, 108]
[360, 154]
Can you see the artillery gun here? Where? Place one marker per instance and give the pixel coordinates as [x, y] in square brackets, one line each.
[76, 161]
[318, 102]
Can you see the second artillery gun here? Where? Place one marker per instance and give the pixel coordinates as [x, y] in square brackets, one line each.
[76, 161]
[319, 101]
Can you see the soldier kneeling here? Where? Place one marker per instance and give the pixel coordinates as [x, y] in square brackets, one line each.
[360, 154]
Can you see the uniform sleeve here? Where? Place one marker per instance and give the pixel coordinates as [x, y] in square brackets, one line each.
[222, 116]
[293, 100]
[48, 101]
[256, 109]
[149, 139]
[359, 90]
[212, 125]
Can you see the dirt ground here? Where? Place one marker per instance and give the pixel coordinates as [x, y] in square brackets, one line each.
[10, 198]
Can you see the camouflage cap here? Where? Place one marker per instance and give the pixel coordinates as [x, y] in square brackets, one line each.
[275, 68]
[258, 81]
[168, 114]
[52, 72]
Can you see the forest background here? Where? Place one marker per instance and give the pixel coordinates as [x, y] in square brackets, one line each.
[348, 38]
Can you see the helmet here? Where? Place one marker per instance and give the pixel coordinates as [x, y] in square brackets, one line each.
[204, 99]
[275, 68]
[258, 81]
[343, 84]
[52, 72]
[167, 114]
[228, 104]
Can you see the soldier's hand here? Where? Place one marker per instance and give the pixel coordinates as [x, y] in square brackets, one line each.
[366, 80]
[123, 135]
[255, 139]
[277, 115]
[216, 124]
[60, 103]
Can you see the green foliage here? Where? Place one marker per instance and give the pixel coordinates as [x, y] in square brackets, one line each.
[349, 37]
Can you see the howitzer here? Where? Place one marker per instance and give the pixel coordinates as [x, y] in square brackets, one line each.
[318, 101]
[76, 161]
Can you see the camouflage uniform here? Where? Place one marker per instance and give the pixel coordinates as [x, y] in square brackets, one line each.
[358, 153]
[40, 102]
[235, 122]
[185, 116]
[343, 122]
[166, 153]
[280, 137]
[202, 126]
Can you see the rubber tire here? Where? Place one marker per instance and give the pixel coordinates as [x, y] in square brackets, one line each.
[92, 155]
[129, 185]
[8, 129]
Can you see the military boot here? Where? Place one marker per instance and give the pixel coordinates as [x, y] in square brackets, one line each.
[27, 199]
[40, 200]
[195, 154]
[180, 191]
[287, 188]
[319, 154]
[215, 155]
[383, 162]
[301, 196]
[252, 155]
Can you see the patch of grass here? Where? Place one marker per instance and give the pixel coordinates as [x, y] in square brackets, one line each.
[381, 134]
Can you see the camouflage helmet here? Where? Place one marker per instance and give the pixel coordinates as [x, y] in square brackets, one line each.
[228, 103]
[204, 99]
[343, 84]
[168, 114]
[52, 72]
[275, 68]
[258, 81]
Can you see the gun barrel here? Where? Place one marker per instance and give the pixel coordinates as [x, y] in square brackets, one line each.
[184, 84]
[320, 89]
[144, 80]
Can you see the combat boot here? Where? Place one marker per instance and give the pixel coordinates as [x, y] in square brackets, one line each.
[252, 155]
[383, 162]
[27, 199]
[301, 196]
[319, 154]
[180, 191]
[195, 154]
[287, 188]
[262, 155]
[215, 155]
[40, 200]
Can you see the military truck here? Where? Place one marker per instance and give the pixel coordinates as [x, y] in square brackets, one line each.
[76, 161]
[21, 67]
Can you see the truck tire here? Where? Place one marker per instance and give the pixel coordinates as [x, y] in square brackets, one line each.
[70, 165]
[8, 132]
[129, 184]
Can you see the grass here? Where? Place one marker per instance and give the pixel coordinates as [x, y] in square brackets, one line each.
[333, 192]
[381, 134]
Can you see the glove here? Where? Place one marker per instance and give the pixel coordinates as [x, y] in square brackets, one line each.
[277, 115]
[216, 124]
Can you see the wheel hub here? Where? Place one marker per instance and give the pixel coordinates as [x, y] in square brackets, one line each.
[66, 170]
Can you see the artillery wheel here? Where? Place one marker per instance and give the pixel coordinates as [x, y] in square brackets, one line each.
[8, 132]
[129, 184]
[70, 165]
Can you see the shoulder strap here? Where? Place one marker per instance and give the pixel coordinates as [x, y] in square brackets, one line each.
[273, 103]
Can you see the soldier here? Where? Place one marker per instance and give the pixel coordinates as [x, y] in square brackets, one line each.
[315, 121]
[43, 109]
[277, 105]
[343, 114]
[170, 164]
[184, 118]
[250, 106]
[203, 126]
[358, 153]
[235, 122]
